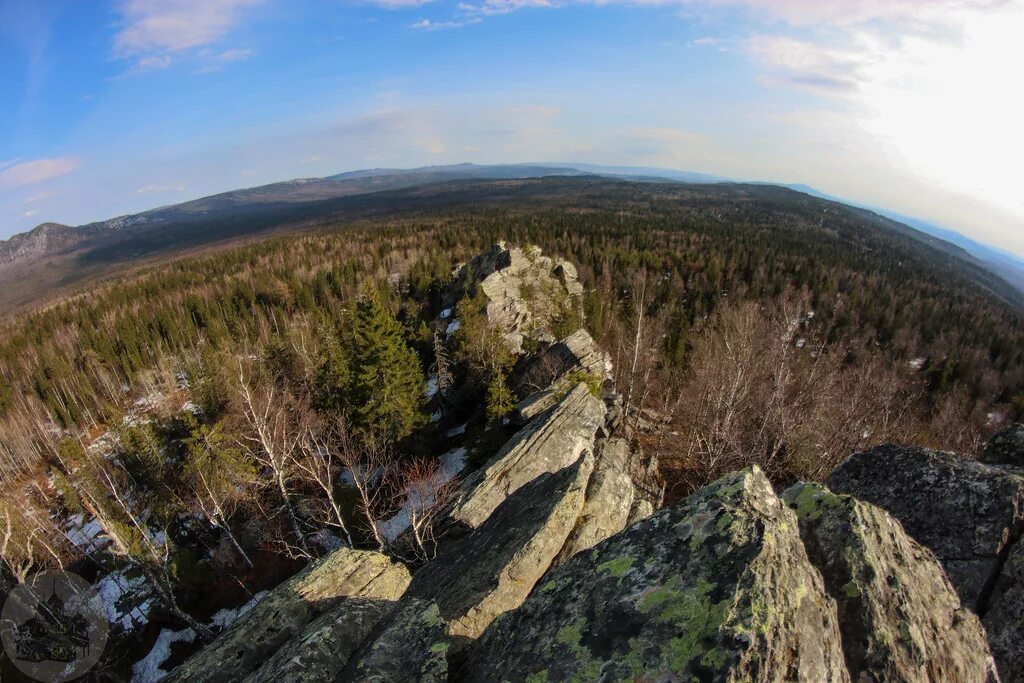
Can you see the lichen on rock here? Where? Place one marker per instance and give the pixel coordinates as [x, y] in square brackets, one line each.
[900, 618]
[717, 588]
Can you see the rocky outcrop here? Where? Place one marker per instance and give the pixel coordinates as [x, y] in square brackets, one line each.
[412, 647]
[965, 512]
[322, 588]
[320, 650]
[557, 369]
[899, 617]
[970, 514]
[526, 293]
[493, 569]
[552, 441]
[717, 588]
[1006, 447]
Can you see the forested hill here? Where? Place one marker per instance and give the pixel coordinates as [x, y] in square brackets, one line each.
[50, 260]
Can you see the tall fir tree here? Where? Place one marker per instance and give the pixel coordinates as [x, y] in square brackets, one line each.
[386, 380]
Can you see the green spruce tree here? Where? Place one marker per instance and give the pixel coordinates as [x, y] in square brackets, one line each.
[386, 385]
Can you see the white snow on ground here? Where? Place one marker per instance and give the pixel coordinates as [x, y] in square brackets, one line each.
[446, 313]
[436, 417]
[126, 599]
[452, 462]
[88, 535]
[147, 669]
[225, 617]
[431, 386]
[917, 363]
[456, 431]
[452, 328]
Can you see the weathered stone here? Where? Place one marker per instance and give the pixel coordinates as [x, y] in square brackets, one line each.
[411, 646]
[323, 648]
[525, 292]
[1006, 447]
[319, 588]
[556, 370]
[609, 499]
[492, 570]
[550, 442]
[900, 618]
[964, 511]
[718, 588]
[1004, 619]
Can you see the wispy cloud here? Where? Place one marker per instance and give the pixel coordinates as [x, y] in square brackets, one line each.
[153, 189]
[154, 32]
[36, 171]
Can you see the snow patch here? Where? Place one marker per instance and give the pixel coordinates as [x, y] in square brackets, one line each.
[225, 617]
[452, 328]
[147, 669]
[126, 599]
[445, 314]
[431, 386]
[452, 462]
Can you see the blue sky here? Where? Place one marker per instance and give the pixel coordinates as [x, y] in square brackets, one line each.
[111, 107]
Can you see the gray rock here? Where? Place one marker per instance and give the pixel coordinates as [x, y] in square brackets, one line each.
[320, 588]
[552, 441]
[323, 648]
[609, 499]
[526, 292]
[900, 618]
[718, 588]
[412, 646]
[964, 511]
[492, 569]
[557, 369]
[1006, 447]
[1005, 617]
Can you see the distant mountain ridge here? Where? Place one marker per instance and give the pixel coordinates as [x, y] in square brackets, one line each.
[36, 263]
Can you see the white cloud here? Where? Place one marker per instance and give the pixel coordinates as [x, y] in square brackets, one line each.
[36, 171]
[29, 214]
[154, 30]
[152, 189]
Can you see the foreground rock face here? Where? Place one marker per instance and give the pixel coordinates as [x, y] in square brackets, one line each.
[719, 588]
[969, 514]
[900, 618]
[965, 512]
[413, 646]
[317, 590]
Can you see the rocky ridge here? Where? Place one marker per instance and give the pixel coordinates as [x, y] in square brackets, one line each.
[555, 565]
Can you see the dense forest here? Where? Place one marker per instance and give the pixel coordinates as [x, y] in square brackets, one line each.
[746, 324]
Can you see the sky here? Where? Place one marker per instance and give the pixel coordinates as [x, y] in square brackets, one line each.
[110, 107]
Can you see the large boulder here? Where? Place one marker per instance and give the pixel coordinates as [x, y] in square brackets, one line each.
[320, 588]
[900, 618]
[965, 512]
[491, 570]
[717, 588]
[552, 441]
